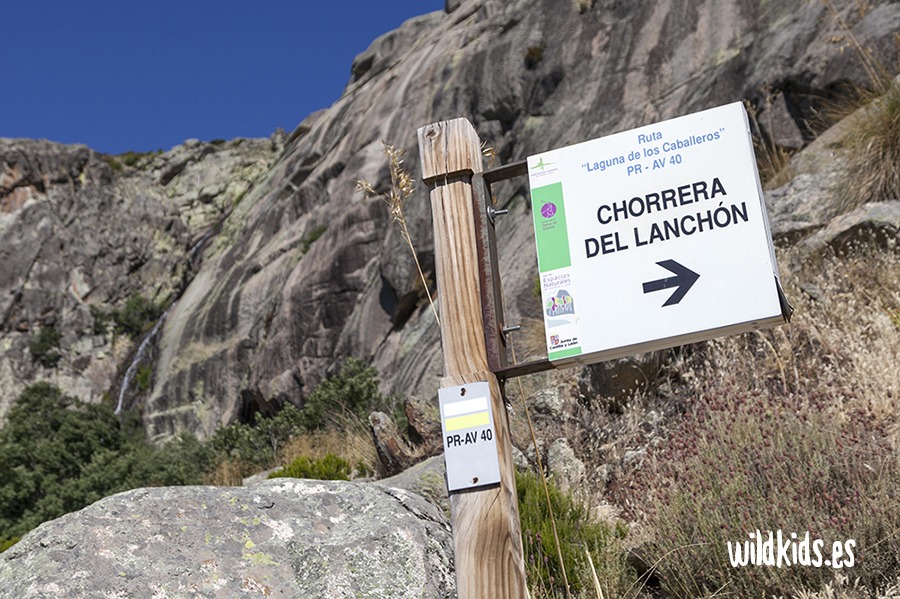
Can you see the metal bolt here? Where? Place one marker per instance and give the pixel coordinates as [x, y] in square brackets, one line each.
[495, 212]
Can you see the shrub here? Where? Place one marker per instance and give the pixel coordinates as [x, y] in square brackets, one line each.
[745, 461]
[353, 392]
[577, 532]
[44, 346]
[7, 543]
[341, 401]
[102, 319]
[58, 455]
[329, 467]
[257, 445]
[584, 5]
[144, 377]
[112, 162]
[137, 316]
[353, 442]
[534, 55]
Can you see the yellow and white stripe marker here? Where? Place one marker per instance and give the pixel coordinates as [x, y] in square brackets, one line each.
[470, 445]
[467, 414]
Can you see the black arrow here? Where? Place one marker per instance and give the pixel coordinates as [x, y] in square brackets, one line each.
[684, 279]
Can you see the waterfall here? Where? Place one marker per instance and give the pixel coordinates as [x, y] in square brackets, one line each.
[193, 254]
[138, 358]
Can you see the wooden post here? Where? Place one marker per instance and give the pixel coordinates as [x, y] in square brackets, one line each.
[487, 540]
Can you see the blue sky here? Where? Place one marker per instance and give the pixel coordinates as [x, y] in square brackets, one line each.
[140, 75]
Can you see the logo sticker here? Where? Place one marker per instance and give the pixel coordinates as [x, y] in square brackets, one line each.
[561, 303]
[542, 165]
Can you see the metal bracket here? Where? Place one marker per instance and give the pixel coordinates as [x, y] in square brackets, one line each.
[495, 329]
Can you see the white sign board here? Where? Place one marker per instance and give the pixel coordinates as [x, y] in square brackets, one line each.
[653, 238]
[470, 440]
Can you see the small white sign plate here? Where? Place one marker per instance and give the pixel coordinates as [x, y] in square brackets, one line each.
[653, 238]
[470, 440]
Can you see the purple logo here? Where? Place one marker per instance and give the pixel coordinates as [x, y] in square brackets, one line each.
[548, 209]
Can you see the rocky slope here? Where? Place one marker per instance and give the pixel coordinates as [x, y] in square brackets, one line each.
[305, 270]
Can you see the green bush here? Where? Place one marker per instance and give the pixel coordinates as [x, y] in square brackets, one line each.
[112, 162]
[257, 444]
[44, 346]
[7, 543]
[577, 532]
[345, 398]
[58, 455]
[137, 316]
[352, 392]
[329, 467]
[534, 55]
[102, 319]
[143, 378]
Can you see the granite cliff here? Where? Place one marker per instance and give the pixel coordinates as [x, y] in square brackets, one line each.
[273, 267]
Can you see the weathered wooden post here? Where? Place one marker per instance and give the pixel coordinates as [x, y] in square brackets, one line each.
[486, 534]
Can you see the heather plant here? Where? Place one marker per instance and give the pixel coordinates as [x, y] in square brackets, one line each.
[792, 429]
[752, 460]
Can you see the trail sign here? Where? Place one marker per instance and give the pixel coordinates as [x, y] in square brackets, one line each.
[652, 238]
[470, 440]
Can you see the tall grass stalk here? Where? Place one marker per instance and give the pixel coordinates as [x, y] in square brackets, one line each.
[402, 188]
[540, 469]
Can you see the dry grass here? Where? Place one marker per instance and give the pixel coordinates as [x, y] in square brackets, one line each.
[873, 147]
[354, 444]
[873, 142]
[231, 473]
[402, 187]
[843, 587]
[772, 161]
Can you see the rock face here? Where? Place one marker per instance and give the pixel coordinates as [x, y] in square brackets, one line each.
[305, 270]
[82, 233]
[280, 538]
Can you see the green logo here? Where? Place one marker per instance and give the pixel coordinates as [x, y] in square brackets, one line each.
[542, 165]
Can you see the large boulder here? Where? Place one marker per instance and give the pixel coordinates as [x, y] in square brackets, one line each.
[281, 538]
